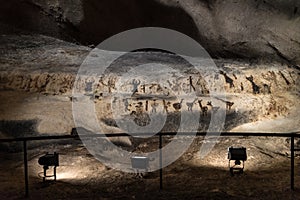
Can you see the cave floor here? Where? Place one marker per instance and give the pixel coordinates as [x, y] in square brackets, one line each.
[81, 176]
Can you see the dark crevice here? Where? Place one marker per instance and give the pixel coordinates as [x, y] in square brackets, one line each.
[71, 31]
[131, 15]
[285, 79]
[297, 42]
[279, 53]
[295, 67]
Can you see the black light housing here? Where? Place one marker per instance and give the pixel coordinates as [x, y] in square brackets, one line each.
[49, 160]
[239, 156]
[237, 153]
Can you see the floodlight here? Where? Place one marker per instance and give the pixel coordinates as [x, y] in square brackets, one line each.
[239, 156]
[49, 160]
[140, 164]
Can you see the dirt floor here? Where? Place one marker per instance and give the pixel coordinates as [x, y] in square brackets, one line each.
[81, 176]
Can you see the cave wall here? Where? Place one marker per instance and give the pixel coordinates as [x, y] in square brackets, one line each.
[229, 29]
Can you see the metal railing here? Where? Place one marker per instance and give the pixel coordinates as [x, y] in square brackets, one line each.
[291, 135]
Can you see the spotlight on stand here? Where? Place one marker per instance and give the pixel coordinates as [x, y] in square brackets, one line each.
[140, 164]
[49, 160]
[239, 156]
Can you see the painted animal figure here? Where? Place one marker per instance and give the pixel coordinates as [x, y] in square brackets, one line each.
[213, 108]
[177, 106]
[229, 105]
[227, 79]
[204, 109]
[255, 88]
[190, 105]
[166, 106]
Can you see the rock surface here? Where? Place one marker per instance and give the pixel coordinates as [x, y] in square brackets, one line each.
[38, 73]
[266, 29]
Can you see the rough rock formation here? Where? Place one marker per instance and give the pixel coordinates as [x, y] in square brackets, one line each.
[256, 44]
[38, 72]
[37, 75]
[268, 29]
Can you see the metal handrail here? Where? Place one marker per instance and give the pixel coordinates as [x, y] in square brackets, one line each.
[295, 134]
[291, 135]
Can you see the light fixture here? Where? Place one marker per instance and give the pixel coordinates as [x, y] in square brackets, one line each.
[239, 156]
[49, 160]
[140, 164]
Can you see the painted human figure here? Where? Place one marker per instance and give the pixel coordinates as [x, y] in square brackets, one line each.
[143, 88]
[89, 86]
[111, 84]
[191, 84]
[154, 106]
[135, 84]
[126, 105]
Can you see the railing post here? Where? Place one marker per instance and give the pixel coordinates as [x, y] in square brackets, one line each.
[25, 168]
[160, 162]
[292, 161]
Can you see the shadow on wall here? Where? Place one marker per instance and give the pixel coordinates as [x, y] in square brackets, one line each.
[15, 129]
[109, 17]
[101, 19]
[18, 16]
[18, 128]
